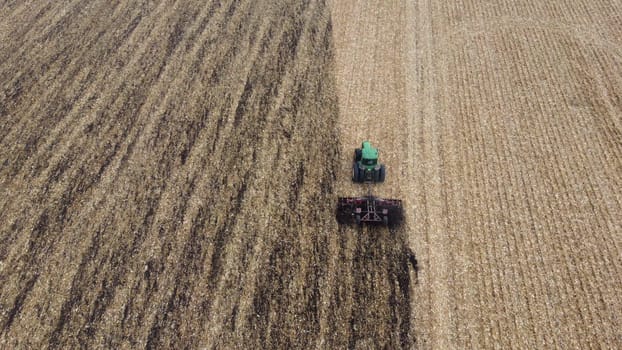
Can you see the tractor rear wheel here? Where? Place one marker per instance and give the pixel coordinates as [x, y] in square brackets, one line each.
[382, 173]
[358, 155]
[376, 175]
[356, 174]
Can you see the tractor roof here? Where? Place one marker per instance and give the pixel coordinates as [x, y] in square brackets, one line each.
[369, 152]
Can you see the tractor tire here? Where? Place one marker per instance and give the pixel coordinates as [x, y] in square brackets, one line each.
[358, 155]
[375, 175]
[356, 174]
[382, 173]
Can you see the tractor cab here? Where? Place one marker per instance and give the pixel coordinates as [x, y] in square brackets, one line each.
[365, 167]
[369, 155]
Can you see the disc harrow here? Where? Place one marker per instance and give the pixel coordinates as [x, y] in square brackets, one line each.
[370, 210]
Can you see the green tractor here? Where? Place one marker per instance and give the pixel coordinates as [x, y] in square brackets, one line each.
[365, 167]
[368, 209]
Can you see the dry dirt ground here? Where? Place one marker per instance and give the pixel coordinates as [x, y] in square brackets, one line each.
[169, 170]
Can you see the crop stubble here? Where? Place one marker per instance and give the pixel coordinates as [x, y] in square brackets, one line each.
[526, 98]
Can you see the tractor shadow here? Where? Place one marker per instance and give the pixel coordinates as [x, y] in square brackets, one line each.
[383, 269]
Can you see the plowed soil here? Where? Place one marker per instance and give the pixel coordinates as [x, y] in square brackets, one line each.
[169, 172]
